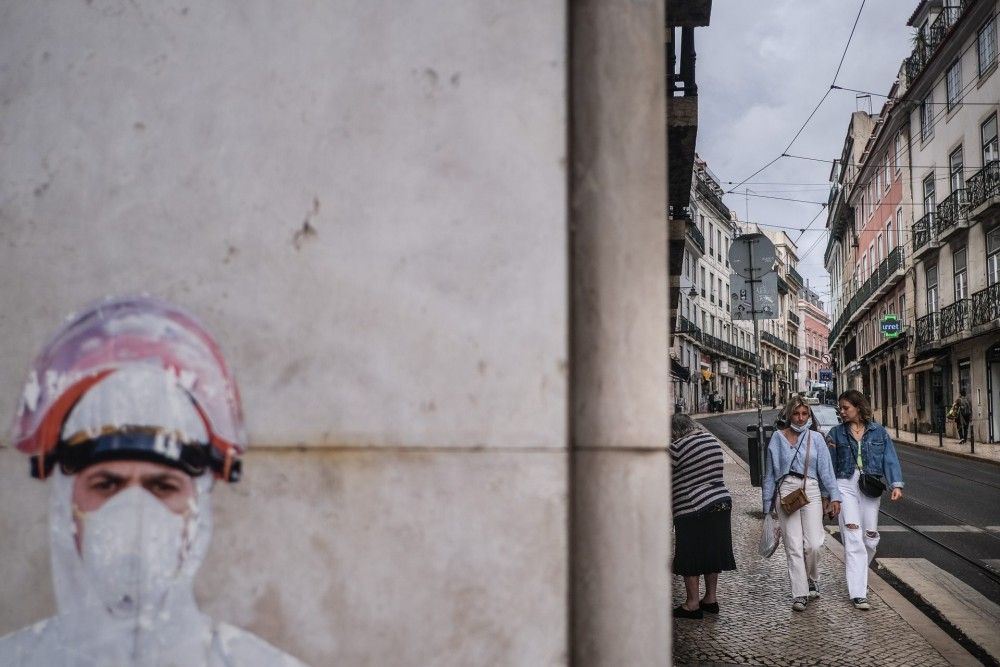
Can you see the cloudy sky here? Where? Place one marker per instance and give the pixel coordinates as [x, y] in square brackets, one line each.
[763, 66]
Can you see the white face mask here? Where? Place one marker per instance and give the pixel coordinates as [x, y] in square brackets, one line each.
[132, 551]
[804, 427]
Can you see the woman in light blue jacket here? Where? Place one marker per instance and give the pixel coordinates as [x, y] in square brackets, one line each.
[797, 457]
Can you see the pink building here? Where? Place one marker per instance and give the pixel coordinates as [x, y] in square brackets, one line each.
[813, 338]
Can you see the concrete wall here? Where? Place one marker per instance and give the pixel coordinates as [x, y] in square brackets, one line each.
[366, 203]
[455, 382]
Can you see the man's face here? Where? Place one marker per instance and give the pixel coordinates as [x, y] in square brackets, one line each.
[96, 484]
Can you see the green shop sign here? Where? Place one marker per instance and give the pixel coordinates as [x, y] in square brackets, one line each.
[891, 326]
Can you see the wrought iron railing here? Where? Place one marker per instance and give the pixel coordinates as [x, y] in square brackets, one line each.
[792, 317]
[952, 211]
[955, 318]
[794, 275]
[984, 184]
[793, 350]
[696, 236]
[986, 305]
[923, 230]
[928, 330]
[689, 328]
[927, 42]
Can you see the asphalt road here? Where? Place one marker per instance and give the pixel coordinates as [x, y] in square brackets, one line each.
[949, 514]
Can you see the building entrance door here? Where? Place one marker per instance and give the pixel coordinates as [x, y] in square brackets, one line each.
[993, 392]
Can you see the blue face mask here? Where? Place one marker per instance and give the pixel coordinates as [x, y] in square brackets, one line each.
[804, 427]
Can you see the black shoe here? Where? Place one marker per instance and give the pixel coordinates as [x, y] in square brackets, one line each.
[681, 612]
[710, 607]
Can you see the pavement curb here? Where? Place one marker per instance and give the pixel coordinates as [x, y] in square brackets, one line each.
[942, 642]
[943, 450]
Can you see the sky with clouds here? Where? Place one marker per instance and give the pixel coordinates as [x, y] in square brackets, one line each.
[762, 67]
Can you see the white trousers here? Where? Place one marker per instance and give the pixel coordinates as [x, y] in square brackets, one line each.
[803, 534]
[859, 543]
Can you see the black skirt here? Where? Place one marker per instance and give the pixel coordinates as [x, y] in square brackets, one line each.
[703, 543]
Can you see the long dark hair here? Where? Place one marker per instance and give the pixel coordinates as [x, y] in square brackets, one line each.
[858, 400]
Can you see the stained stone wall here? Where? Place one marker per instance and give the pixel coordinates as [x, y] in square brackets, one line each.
[367, 204]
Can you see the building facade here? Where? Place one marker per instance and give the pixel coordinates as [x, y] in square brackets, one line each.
[712, 355]
[813, 335]
[915, 230]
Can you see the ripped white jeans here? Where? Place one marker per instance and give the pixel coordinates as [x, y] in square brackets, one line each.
[860, 542]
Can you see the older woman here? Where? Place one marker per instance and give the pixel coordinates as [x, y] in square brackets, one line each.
[703, 545]
[797, 458]
[863, 449]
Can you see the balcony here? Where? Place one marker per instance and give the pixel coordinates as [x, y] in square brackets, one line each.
[986, 307]
[927, 43]
[929, 332]
[782, 285]
[696, 237]
[952, 214]
[925, 236]
[882, 279]
[955, 319]
[793, 318]
[794, 277]
[688, 328]
[984, 190]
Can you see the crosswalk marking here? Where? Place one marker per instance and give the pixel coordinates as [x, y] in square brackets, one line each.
[946, 528]
[969, 611]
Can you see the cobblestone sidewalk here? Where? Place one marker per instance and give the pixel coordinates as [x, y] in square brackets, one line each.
[756, 625]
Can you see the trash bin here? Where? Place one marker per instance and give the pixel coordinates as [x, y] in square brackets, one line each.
[757, 452]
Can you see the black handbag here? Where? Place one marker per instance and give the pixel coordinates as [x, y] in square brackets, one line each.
[871, 485]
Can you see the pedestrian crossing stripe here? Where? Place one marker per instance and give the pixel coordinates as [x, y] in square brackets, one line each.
[952, 528]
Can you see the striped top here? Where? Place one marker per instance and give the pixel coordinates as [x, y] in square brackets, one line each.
[696, 473]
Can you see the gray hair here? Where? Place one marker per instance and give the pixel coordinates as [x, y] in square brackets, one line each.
[682, 425]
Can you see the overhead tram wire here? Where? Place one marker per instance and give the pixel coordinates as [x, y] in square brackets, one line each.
[902, 100]
[816, 108]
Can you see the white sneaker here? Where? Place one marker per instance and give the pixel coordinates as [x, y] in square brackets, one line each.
[813, 590]
[799, 604]
[861, 603]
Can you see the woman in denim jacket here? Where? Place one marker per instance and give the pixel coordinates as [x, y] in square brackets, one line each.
[861, 445]
[796, 457]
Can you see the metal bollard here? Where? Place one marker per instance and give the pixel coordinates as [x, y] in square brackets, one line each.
[972, 439]
[915, 432]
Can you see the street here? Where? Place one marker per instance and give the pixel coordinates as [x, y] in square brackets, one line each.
[948, 515]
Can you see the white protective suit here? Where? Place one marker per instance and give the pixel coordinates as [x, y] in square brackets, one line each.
[172, 632]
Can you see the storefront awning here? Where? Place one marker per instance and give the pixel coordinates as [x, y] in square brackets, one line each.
[920, 366]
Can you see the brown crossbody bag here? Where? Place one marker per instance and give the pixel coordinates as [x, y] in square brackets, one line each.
[797, 498]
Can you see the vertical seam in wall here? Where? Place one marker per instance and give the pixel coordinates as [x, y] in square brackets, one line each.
[570, 617]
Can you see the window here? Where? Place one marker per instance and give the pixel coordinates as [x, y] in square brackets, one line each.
[878, 256]
[953, 84]
[929, 198]
[932, 290]
[899, 226]
[872, 263]
[902, 308]
[987, 45]
[711, 286]
[898, 154]
[889, 241]
[955, 176]
[718, 243]
[993, 257]
[886, 174]
[926, 126]
[711, 239]
[961, 280]
[988, 132]
[702, 282]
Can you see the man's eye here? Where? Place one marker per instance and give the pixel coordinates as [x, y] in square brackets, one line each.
[163, 487]
[104, 484]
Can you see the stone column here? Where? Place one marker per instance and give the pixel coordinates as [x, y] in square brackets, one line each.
[619, 491]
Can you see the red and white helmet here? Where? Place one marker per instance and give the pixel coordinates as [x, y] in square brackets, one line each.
[135, 378]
